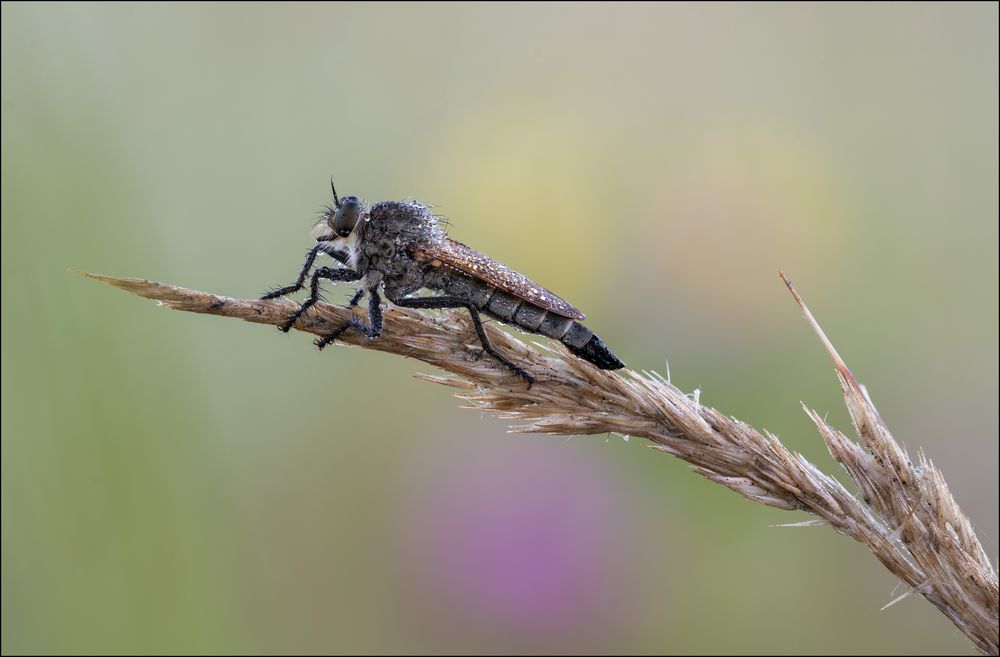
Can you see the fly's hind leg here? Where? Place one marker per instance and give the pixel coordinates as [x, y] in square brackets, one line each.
[373, 330]
[457, 302]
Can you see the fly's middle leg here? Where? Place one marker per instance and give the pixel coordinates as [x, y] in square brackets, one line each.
[374, 328]
[357, 297]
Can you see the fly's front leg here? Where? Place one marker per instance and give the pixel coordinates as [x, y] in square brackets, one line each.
[335, 275]
[301, 278]
[374, 328]
[457, 302]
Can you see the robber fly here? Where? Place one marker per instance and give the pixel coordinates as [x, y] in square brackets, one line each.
[401, 247]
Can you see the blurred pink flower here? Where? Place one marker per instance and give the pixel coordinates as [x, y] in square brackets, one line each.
[530, 540]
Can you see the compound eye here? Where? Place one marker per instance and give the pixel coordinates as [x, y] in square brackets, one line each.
[346, 217]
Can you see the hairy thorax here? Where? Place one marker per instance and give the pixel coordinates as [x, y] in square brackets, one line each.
[392, 229]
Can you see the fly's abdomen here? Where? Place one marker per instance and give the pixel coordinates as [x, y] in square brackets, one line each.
[584, 343]
[579, 339]
[595, 351]
[503, 306]
[474, 291]
[530, 317]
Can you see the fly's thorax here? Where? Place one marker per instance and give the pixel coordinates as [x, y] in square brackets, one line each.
[382, 250]
[393, 230]
[443, 279]
[401, 271]
[405, 222]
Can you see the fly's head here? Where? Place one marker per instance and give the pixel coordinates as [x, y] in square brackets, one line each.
[342, 224]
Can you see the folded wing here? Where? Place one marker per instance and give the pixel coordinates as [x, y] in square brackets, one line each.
[473, 263]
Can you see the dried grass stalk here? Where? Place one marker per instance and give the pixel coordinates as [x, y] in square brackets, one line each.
[905, 514]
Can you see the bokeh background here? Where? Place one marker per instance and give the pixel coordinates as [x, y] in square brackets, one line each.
[174, 482]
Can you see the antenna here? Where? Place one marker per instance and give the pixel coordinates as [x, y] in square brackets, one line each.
[336, 201]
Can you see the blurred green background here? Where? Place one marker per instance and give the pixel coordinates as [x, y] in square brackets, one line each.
[174, 482]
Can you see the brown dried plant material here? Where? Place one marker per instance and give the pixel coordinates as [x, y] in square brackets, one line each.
[905, 513]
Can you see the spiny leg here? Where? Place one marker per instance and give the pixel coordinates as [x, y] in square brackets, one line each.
[374, 319]
[300, 279]
[357, 297]
[335, 275]
[328, 249]
[457, 302]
